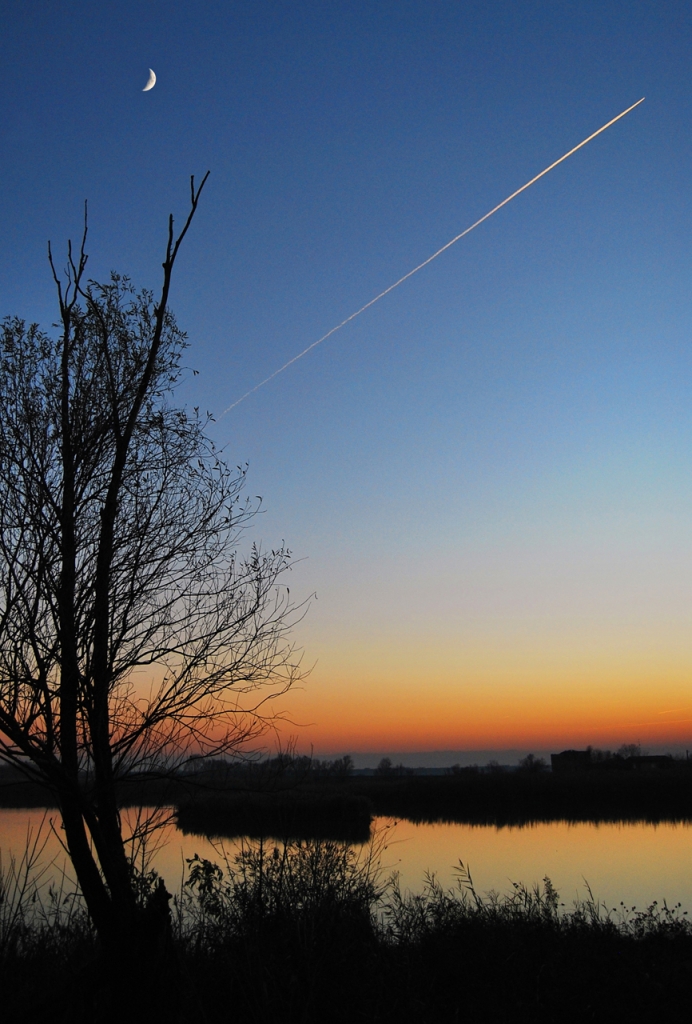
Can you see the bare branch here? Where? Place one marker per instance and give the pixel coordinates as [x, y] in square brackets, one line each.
[133, 636]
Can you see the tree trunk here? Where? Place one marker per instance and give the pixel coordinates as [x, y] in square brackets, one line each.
[89, 878]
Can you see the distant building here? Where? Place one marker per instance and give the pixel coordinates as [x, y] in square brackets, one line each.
[596, 760]
[571, 761]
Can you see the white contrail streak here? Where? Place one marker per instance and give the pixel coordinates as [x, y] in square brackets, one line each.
[425, 262]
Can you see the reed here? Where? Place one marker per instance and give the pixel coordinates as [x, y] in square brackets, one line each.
[310, 931]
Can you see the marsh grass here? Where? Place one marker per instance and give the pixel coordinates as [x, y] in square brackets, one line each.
[33, 908]
[311, 931]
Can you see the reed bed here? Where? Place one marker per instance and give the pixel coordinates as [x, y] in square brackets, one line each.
[310, 931]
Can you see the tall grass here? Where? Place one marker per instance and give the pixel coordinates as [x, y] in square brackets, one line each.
[35, 912]
[311, 931]
[303, 882]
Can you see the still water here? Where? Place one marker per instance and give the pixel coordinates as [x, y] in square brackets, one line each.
[633, 863]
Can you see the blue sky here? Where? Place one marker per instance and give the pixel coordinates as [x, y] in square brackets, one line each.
[486, 477]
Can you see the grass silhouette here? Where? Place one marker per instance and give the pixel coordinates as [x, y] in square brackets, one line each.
[310, 931]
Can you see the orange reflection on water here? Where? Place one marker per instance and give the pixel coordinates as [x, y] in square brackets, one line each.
[635, 863]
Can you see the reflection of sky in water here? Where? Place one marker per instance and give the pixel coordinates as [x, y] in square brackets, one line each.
[635, 863]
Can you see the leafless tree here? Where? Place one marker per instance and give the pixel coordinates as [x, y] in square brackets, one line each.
[129, 628]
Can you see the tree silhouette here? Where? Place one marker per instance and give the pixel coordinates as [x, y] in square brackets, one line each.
[129, 627]
[531, 763]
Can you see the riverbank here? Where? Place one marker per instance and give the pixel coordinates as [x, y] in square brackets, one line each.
[520, 798]
[340, 810]
[231, 803]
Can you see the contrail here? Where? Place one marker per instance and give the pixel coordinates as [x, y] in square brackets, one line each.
[425, 262]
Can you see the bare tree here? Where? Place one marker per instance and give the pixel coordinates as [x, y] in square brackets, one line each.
[128, 625]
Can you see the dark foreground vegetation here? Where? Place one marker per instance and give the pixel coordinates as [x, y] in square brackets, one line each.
[308, 932]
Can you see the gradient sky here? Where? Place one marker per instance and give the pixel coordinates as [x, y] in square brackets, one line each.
[486, 478]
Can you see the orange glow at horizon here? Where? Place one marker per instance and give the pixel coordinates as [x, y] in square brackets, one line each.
[494, 700]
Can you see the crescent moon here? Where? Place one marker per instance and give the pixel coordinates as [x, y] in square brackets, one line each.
[151, 83]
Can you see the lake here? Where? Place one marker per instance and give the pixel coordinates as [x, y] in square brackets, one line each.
[635, 863]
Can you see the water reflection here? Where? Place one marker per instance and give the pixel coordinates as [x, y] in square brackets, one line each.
[633, 862]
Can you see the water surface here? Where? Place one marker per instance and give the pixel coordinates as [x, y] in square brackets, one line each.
[636, 863]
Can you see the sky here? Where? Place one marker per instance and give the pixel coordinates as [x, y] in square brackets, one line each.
[485, 478]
